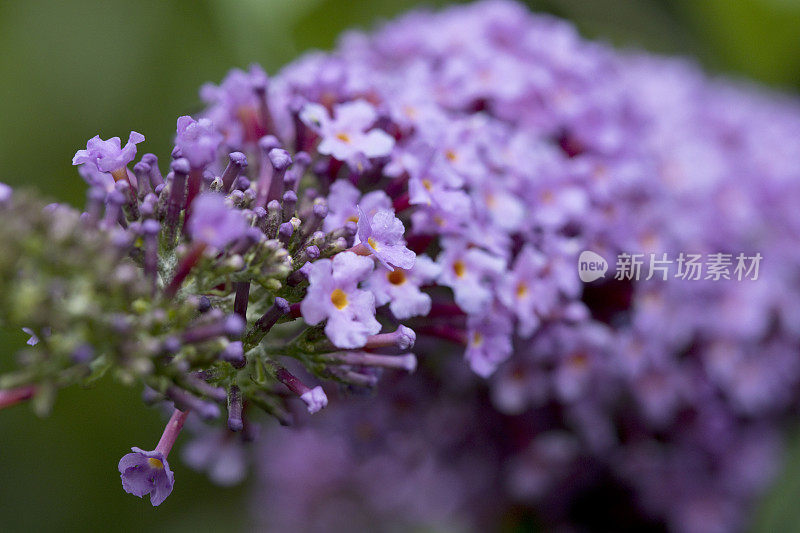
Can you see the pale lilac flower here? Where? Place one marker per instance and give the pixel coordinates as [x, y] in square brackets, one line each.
[343, 203]
[526, 291]
[488, 341]
[469, 271]
[237, 90]
[348, 137]
[333, 294]
[450, 215]
[108, 156]
[429, 182]
[503, 209]
[96, 179]
[198, 141]
[401, 288]
[219, 452]
[382, 235]
[234, 105]
[214, 223]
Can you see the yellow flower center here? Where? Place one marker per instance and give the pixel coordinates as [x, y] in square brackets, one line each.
[345, 138]
[372, 242]
[427, 184]
[155, 463]
[353, 218]
[451, 155]
[477, 339]
[339, 299]
[396, 277]
[522, 289]
[459, 268]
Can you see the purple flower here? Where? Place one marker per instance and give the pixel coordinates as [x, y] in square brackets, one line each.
[218, 452]
[34, 340]
[144, 472]
[108, 156]
[488, 342]
[382, 235]
[198, 141]
[5, 192]
[525, 292]
[345, 137]
[343, 203]
[333, 294]
[401, 288]
[452, 215]
[214, 223]
[500, 205]
[235, 104]
[469, 271]
[96, 179]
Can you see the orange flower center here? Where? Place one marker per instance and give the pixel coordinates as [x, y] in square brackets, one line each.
[459, 268]
[396, 277]
[339, 299]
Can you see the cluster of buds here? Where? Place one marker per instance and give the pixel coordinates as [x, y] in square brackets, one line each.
[193, 282]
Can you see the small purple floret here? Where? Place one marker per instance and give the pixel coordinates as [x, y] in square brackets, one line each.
[108, 156]
[382, 234]
[333, 294]
[146, 472]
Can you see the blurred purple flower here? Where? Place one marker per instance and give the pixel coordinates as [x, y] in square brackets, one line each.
[214, 223]
[198, 141]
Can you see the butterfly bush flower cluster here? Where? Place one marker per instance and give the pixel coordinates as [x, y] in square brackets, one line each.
[517, 145]
[434, 183]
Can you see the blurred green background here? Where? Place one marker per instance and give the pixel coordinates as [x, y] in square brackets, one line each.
[73, 69]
